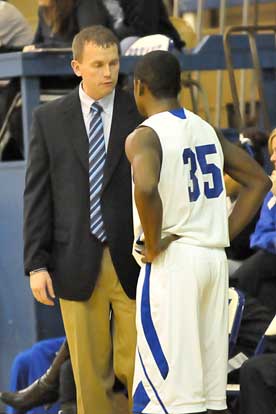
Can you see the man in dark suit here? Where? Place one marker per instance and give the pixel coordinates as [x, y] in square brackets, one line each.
[78, 219]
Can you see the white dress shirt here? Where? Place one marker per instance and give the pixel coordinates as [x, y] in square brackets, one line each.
[106, 103]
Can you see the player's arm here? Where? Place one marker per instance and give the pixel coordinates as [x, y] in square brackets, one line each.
[144, 152]
[231, 186]
[254, 185]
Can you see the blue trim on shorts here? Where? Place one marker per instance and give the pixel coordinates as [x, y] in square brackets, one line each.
[140, 398]
[152, 386]
[179, 112]
[149, 329]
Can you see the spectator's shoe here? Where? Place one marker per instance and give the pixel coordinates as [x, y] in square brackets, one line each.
[68, 408]
[36, 394]
[44, 391]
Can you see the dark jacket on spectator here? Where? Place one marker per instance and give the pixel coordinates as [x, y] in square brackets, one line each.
[143, 18]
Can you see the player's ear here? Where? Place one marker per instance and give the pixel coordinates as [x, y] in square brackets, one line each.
[141, 88]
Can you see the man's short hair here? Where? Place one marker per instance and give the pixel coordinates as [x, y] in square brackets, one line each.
[160, 71]
[97, 34]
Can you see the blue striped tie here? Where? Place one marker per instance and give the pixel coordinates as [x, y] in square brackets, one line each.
[96, 165]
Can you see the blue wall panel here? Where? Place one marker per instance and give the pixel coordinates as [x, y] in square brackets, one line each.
[191, 5]
[22, 321]
[16, 305]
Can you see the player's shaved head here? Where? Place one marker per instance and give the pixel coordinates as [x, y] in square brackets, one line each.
[160, 71]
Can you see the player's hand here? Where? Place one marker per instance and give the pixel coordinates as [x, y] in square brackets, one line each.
[42, 287]
[273, 179]
[150, 255]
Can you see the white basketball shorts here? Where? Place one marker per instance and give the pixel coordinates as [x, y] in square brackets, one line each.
[182, 321]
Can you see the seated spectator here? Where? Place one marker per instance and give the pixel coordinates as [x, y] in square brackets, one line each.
[254, 142]
[256, 276]
[60, 20]
[15, 31]
[57, 383]
[27, 367]
[259, 285]
[139, 18]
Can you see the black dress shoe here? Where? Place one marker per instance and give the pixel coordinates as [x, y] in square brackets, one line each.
[38, 393]
[68, 408]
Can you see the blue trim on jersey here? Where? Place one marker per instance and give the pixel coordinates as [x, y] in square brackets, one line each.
[149, 329]
[140, 398]
[264, 236]
[152, 386]
[179, 112]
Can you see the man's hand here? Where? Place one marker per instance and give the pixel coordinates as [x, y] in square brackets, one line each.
[42, 287]
[150, 255]
[29, 48]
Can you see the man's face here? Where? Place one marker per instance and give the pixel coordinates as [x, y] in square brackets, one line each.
[98, 68]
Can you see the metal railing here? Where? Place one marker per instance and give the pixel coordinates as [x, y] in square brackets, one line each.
[195, 88]
[251, 31]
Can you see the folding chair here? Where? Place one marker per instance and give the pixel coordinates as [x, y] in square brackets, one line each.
[270, 331]
[236, 306]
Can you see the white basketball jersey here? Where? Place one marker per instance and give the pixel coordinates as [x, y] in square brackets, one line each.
[191, 182]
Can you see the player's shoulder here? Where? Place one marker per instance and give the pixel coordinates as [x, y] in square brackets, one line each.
[143, 134]
[142, 138]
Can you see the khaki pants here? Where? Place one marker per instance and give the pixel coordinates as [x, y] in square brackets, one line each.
[96, 354]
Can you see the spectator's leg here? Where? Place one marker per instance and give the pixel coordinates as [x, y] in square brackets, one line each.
[44, 389]
[67, 389]
[19, 374]
[53, 373]
[255, 273]
[255, 319]
[258, 385]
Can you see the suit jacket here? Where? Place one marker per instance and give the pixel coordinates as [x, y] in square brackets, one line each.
[56, 199]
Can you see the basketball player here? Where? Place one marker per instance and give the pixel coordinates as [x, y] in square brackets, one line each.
[182, 294]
